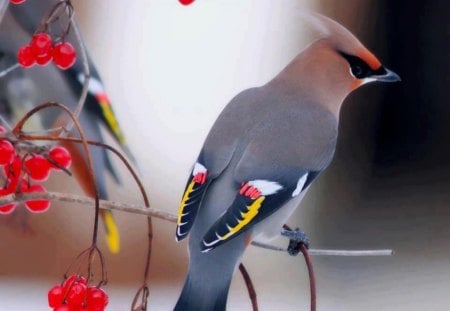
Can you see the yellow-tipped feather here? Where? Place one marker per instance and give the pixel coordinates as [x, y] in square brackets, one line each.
[252, 211]
[112, 233]
[184, 200]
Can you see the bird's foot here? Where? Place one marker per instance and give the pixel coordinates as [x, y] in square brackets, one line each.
[296, 239]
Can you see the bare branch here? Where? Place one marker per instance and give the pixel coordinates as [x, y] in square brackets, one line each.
[158, 213]
[331, 252]
[338, 252]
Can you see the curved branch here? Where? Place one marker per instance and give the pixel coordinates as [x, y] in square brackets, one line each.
[17, 130]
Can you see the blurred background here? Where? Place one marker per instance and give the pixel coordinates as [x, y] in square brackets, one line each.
[169, 70]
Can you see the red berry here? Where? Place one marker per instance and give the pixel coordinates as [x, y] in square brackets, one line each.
[45, 59]
[97, 299]
[55, 296]
[41, 44]
[6, 152]
[17, 1]
[26, 57]
[186, 2]
[38, 168]
[7, 208]
[73, 279]
[61, 156]
[76, 295]
[63, 308]
[37, 206]
[64, 55]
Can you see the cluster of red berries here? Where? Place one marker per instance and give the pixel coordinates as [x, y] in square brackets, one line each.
[41, 51]
[19, 170]
[75, 295]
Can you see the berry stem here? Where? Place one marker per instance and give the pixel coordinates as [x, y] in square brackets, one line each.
[4, 72]
[17, 130]
[60, 8]
[86, 73]
[143, 290]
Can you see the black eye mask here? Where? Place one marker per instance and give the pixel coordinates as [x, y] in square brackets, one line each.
[360, 69]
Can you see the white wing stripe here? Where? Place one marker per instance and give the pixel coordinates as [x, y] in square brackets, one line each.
[301, 182]
[198, 168]
[266, 187]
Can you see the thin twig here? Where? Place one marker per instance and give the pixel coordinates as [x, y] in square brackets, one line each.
[250, 287]
[86, 71]
[351, 253]
[312, 277]
[161, 214]
[88, 201]
[3, 7]
[143, 292]
[331, 252]
[90, 164]
[11, 68]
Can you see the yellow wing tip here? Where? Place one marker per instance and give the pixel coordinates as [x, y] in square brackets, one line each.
[186, 194]
[252, 211]
[112, 233]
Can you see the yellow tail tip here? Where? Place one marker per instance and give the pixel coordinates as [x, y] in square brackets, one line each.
[112, 232]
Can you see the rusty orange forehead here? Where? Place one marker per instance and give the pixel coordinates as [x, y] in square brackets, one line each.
[369, 58]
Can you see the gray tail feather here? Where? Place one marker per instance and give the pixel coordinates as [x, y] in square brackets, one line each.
[201, 296]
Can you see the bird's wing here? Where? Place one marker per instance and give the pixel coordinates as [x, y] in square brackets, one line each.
[196, 187]
[281, 160]
[254, 201]
[215, 156]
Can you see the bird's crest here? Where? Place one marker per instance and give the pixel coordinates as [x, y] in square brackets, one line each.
[339, 37]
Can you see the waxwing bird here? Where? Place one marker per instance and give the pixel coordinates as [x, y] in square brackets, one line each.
[50, 83]
[263, 152]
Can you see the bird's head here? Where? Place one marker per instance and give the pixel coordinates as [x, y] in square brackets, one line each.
[334, 65]
[363, 66]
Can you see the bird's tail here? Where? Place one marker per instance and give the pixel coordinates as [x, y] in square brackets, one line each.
[198, 295]
[209, 277]
[112, 232]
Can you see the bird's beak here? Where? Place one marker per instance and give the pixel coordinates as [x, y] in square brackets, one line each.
[387, 76]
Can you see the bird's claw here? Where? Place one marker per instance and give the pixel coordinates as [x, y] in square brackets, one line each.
[296, 239]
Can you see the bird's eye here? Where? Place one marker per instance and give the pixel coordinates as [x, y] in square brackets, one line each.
[358, 67]
[357, 71]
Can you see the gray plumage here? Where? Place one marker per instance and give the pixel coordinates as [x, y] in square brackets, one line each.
[276, 138]
[249, 155]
